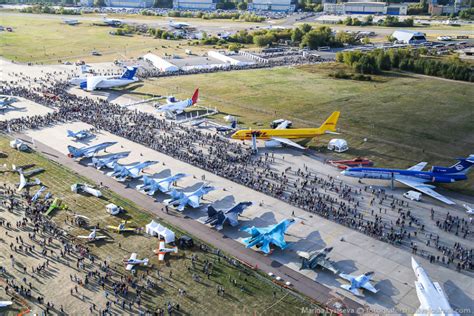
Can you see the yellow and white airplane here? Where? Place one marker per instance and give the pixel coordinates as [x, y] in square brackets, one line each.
[121, 228]
[289, 136]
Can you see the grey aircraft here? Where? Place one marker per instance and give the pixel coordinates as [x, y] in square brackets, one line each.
[311, 260]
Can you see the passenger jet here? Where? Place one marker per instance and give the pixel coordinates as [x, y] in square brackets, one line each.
[179, 106]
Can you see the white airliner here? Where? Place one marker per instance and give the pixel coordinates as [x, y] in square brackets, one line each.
[432, 298]
[179, 106]
[91, 83]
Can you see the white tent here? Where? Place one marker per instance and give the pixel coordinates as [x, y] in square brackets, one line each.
[156, 229]
[160, 63]
[338, 145]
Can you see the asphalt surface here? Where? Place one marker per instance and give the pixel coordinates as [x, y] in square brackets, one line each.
[301, 283]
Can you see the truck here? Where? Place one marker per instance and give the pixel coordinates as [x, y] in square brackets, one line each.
[412, 195]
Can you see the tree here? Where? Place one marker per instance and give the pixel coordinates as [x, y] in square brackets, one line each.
[296, 35]
[233, 47]
[368, 20]
[321, 36]
[305, 28]
[263, 40]
[99, 3]
[242, 6]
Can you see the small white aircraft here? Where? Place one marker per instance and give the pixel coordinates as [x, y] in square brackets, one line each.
[71, 21]
[178, 25]
[133, 261]
[112, 22]
[178, 107]
[5, 303]
[361, 281]
[92, 83]
[469, 210]
[92, 236]
[162, 250]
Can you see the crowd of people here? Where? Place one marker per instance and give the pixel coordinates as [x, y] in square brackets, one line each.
[381, 216]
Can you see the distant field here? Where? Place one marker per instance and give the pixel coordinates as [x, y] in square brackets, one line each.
[256, 298]
[405, 118]
[48, 40]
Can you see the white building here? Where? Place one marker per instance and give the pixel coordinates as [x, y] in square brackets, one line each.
[272, 5]
[365, 8]
[160, 63]
[129, 3]
[409, 37]
[194, 4]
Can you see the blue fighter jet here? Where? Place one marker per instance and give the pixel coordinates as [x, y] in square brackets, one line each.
[361, 281]
[108, 161]
[263, 237]
[122, 172]
[193, 199]
[87, 152]
[151, 185]
[80, 135]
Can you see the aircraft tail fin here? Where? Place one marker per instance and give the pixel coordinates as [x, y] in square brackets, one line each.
[195, 96]
[211, 211]
[129, 73]
[462, 166]
[330, 124]
[233, 124]
[304, 264]
[73, 151]
[70, 133]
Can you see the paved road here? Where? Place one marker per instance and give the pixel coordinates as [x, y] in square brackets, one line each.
[301, 283]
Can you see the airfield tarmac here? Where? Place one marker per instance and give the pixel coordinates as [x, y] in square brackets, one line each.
[357, 254]
[24, 108]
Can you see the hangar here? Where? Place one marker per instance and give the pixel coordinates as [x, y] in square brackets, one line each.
[194, 4]
[160, 63]
[409, 37]
[365, 8]
[272, 5]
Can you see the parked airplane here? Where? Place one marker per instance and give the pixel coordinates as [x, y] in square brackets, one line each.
[91, 83]
[288, 136]
[192, 199]
[177, 107]
[361, 281]
[38, 194]
[6, 102]
[87, 152]
[133, 261]
[71, 21]
[178, 25]
[92, 236]
[263, 237]
[83, 134]
[218, 218]
[121, 228]
[469, 210]
[85, 188]
[417, 179]
[122, 173]
[23, 183]
[108, 161]
[151, 185]
[162, 250]
[433, 300]
[231, 127]
[112, 22]
[314, 259]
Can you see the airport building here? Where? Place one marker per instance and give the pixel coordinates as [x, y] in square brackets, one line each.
[366, 8]
[194, 4]
[129, 3]
[409, 37]
[272, 5]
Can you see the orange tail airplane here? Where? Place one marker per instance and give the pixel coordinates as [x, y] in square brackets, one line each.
[277, 137]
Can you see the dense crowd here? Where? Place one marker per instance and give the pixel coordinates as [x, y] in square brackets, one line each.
[381, 216]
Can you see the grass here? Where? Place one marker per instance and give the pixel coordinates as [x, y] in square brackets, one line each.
[405, 118]
[257, 298]
[43, 40]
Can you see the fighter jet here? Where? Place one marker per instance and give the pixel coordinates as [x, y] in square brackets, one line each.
[133, 261]
[314, 259]
[108, 161]
[263, 237]
[91, 83]
[177, 107]
[121, 228]
[87, 152]
[80, 135]
[23, 183]
[121, 172]
[469, 210]
[6, 102]
[162, 250]
[218, 218]
[38, 194]
[361, 281]
[432, 298]
[151, 185]
[192, 199]
[92, 236]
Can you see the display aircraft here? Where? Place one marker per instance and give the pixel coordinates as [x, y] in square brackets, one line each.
[151, 185]
[92, 236]
[85, 188]
[6, 102]
[71, 21]
[218, 218]
[314, 259]
[122, 172]
[23, 183]
[91, 83]
[178, 25]
[88, 152]
[112, 22]
[263, 237]
[121, 228]
[416, 178]
[80, 135]
[193, 199]
[177, 107]
[108, 161]
[433, 300]
[162, 250]
[361, 281]
[133, 261]
[231, 127]
[469, 210]
[38, 194]
[288, 136]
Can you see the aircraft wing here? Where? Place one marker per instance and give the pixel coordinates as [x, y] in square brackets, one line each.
[369, 287]
[161, 256]
[288, 142]
[233, 219]
[418, 167]
[93, 82]
[129, 267]
[83, 237]
[100, 237]
[426, 189]
[346, 277]
[194, 201]
[326, 264]
[133, 256]
[22, 182]
[303, 254]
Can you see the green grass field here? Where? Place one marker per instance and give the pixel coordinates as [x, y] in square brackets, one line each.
[257, 297]
[49, 40]
[405, 118]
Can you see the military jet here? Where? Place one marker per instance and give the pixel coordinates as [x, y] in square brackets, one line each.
[151, 185]
[6, 102]
[263, 237]
[361, 281]
[88, 152]
[314, 259]
[38, 194]
[122, 172]
[192, 199]
[92, 236]
[218, 218]
[80, 135]
[133, 261]
[108, 161]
